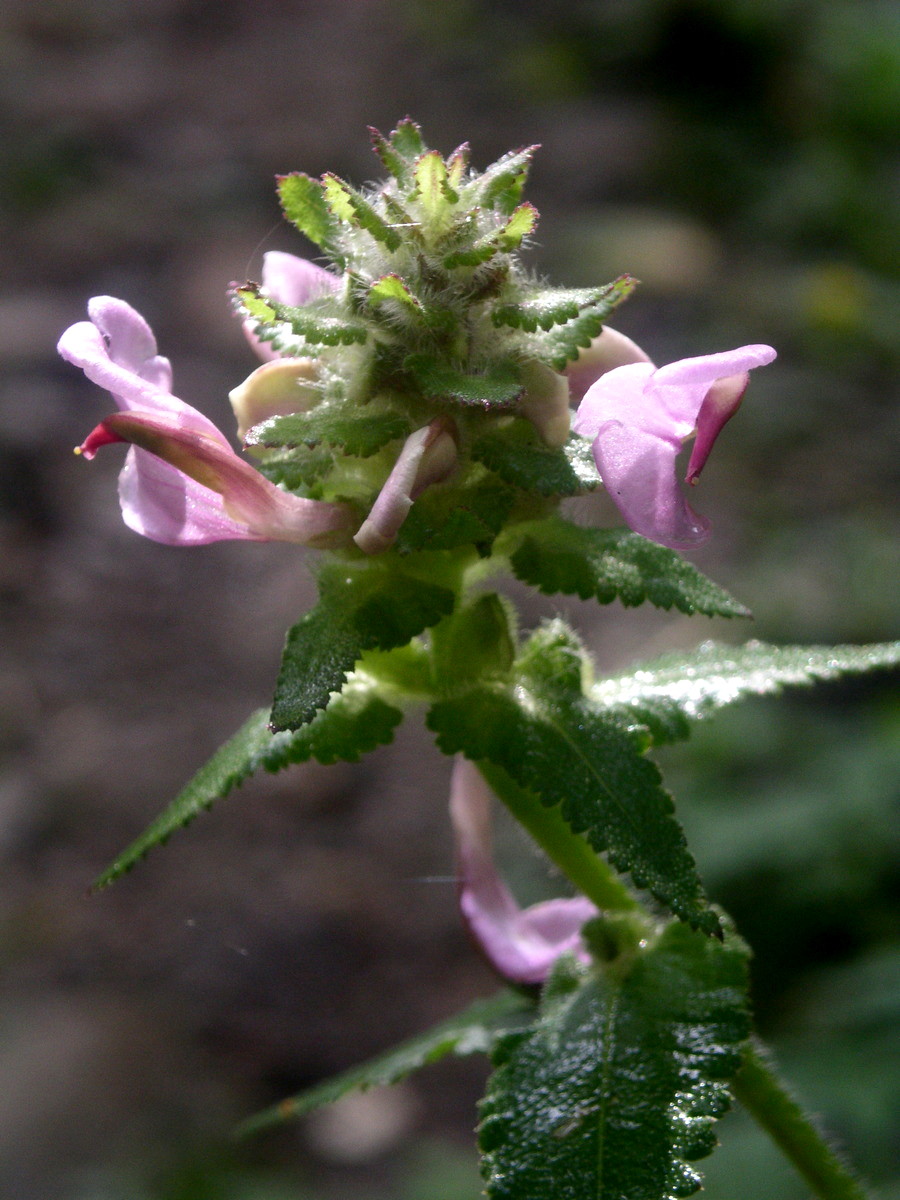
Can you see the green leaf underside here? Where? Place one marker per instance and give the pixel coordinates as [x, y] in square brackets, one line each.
[554, 556]
[349, 205]
[665, 695]
[500, 186]
[473, 1031]
[354, 724]
[303, 201]
[616, 1088]
[357, 433]
[569, 751]
[367, 608]
[517, 454]
[557, 306]
[562, 344]
[499, 386]
[287, 328]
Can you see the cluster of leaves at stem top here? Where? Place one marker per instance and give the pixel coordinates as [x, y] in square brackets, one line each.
[426, 312]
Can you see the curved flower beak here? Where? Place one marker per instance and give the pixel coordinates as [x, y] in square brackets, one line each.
[428, 456]
[522, 944]
[638, 418]
[290, 280]
[182, 483]
[253, 508]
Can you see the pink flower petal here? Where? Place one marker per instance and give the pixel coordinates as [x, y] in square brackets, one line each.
[229, 486]
[182, 483]
[161, 503]
[130, 340]
[521, 944]
[610, 349]
[638, 418]
[289, 280]
[638, 471]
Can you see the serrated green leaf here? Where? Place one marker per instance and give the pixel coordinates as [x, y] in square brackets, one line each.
[554, 555]
[392, 287]
[521, 458]
[407, 139]
[555, 306]
[497, 387]
[563, 343]
[355, 432]
[500, 185]
[499, 241]
[350, 206]
[303, 202]
[442, 519]
[615, 1090]
[287, 328]
[666, 694]
[394, 162]
[433, 190]
[568, 750]
[457, 164]
[474, 1031]
[353, 724]
[372, 607]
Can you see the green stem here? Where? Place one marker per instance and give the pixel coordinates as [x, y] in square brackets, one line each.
[766, 1098]
[568, 850]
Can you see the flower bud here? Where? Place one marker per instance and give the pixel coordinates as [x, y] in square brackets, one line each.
[285, 385]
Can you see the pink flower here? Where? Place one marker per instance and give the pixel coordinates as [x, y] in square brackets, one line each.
[521, 944]
[289, 280]
[639, 416]
[182, 484]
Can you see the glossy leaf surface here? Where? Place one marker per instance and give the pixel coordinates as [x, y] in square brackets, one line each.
[614, 1091]
[609, 564]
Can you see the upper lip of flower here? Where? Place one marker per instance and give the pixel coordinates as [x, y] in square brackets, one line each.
[639, 416]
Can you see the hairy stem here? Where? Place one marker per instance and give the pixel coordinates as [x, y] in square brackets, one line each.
[766, 1098]
[568, 850]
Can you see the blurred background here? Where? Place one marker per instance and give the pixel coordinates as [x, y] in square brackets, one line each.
[739, 157]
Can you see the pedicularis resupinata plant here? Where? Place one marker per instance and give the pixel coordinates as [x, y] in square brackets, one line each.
[423, 408]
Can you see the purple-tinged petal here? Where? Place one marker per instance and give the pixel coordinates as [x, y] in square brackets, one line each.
[610, 349]
[289, 280]
[84, 345]
[521, 945]
[428, 456]
[546, 402]
[719, 405]
[130, 340]
[707, 368]
[614, 396]
[161, 503]
[277, 388]
[638, 418]
[638, 472]
[293, 280]
[215, 484]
